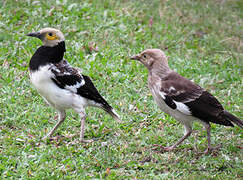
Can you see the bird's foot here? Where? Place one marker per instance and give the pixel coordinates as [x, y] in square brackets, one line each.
[45, 138]
[86, 141]
[211, 149]
[169, 148]
[162, 148]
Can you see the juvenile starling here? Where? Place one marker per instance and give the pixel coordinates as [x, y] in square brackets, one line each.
[181, 98]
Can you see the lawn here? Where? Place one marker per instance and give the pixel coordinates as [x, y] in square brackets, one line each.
[203, 39]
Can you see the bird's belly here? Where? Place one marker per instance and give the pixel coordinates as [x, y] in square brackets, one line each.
[59, 98]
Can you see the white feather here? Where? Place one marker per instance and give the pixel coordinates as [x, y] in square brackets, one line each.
[76, 86]
[172, 89]
[182, 108]
[162, 94]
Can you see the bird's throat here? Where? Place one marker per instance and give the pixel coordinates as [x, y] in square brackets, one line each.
[45, 55]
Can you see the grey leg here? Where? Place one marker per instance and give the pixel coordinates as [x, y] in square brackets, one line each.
[61, 117]
[83, 117]
[209, 148]
[179, 142]
[208, 129]
[188, 131]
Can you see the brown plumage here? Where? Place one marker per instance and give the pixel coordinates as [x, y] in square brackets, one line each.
[181, 98]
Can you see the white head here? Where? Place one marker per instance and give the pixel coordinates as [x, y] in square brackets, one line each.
[49, 36]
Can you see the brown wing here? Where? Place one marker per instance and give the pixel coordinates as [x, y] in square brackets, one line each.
[200, 103]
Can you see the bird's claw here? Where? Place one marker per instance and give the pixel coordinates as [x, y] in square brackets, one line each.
[86, 141]
[211, 149]
[44, 138]
[162, 148]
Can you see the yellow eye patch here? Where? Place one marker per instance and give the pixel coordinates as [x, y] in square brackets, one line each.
[51, 36]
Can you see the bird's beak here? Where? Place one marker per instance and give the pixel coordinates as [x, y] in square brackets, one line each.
[35, 34]
[135, 57]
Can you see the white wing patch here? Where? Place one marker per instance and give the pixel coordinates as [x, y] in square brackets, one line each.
[162, 94]
[75, 87]
[52, 66]
[182, 108]
[65, 69]
[171, 89]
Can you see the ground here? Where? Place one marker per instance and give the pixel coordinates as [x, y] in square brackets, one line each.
[203, 40]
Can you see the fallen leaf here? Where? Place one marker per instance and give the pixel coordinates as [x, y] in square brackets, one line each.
[107, 171]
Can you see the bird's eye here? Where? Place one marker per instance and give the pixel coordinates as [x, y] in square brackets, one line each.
[144, 56]
[51, 36]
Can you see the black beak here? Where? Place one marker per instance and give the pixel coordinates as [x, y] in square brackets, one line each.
[35, 34]
[136, 57]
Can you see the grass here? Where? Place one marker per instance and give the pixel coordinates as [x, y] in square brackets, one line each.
[204, 42]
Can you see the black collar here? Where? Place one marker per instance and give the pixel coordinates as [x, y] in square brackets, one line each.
[45, 55]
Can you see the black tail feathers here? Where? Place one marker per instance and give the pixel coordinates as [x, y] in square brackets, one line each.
[233, 119]
[112, 112]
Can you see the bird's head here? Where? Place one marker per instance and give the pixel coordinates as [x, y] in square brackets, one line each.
[49, 36]
[151, 58]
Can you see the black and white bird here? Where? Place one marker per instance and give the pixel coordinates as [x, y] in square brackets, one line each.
[181, 98]
[61, 85]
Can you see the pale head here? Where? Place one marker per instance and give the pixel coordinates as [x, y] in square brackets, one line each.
[49, 36]
[152, 58]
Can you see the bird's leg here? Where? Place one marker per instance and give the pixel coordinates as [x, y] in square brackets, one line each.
[62, 116]
[188, 131]
[83, 117]
[209, 148]
[169, 148]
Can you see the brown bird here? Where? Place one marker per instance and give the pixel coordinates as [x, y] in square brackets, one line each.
[181, 98]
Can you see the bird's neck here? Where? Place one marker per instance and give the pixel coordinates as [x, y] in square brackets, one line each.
[45, 55]
[160, 69]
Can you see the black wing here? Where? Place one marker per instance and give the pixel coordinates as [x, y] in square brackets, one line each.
[89, 91]
[67, 77]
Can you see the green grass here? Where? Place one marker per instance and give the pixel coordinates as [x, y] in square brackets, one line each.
[204, 42]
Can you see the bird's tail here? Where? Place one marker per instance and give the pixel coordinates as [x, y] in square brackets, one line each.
[113, 113]
[233, 119]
